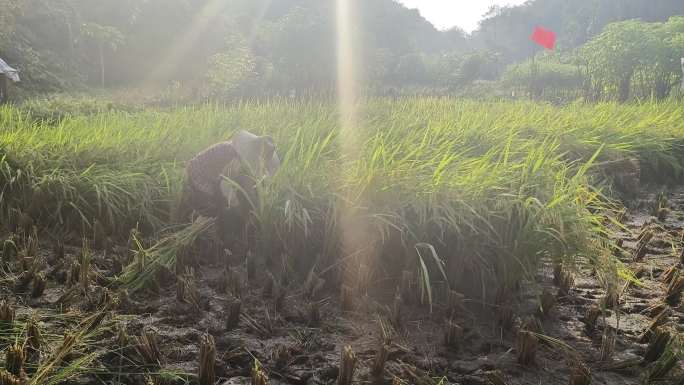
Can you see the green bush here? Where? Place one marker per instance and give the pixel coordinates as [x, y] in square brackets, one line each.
[544, 78]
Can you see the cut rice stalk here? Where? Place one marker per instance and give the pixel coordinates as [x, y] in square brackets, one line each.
[259, 377]
[207, 361]
[163, 254]
[348, 363]
[660, 340]
[674, 290]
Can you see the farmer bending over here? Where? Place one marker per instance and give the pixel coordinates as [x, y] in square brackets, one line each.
[244, 161]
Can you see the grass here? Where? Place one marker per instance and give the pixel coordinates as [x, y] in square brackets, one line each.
[74, 351]
[478, 192]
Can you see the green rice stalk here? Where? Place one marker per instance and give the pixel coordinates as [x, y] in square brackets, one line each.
[259, 377]
[162, 255]
[490, 185]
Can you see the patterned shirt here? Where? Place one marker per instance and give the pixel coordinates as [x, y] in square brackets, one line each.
[205, 169]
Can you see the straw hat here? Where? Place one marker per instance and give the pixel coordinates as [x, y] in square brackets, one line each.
[257, 153]
[258, 158]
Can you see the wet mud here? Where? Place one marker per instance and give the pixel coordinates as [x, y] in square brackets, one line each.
[297, 331]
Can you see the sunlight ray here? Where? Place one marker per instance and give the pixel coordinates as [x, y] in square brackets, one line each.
[177, 54]
[356, 234]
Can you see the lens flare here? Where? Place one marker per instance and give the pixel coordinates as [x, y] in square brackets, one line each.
[205, 18]
[356, 235]
[346, 76]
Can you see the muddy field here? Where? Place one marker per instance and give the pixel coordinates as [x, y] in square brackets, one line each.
[297, 331]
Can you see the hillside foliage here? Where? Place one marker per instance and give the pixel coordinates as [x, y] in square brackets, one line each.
[242, 48]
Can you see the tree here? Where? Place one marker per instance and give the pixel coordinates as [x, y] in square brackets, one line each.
[482, 65]
[544, 77]
[301, 47]
[104, 37]
[456, 40]
[291, 44]
[231, 72]
[634, 51]
[506, 30]
[9, 10]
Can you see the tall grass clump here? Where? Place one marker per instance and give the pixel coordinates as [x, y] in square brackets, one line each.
[469, 193]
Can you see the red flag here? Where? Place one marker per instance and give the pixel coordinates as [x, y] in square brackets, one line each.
[544, 37]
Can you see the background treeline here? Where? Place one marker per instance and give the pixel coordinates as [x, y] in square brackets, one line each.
[238, 48]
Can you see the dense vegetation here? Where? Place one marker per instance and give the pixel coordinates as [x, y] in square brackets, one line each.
[237, 48]
[491, 183]
[480, 211]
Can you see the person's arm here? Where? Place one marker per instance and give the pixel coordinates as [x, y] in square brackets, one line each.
[229, 175]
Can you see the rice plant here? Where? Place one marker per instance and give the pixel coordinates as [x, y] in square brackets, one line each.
[162, 255]
[460, 193]
[48, 356]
